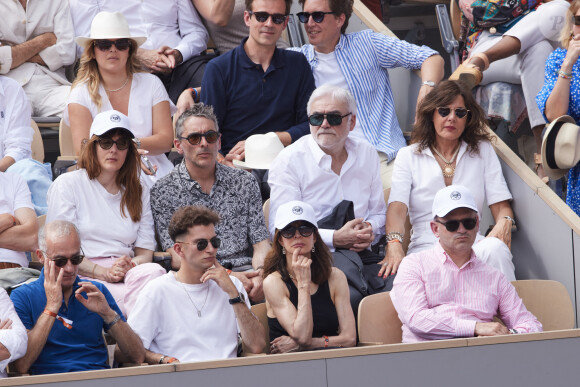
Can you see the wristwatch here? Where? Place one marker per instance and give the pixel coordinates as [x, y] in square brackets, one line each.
[238, 299]
[137, 141]
[429, 83]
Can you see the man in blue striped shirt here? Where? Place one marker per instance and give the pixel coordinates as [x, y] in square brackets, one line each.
[363, 59]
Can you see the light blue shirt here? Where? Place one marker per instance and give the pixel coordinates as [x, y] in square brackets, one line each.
[364, 58]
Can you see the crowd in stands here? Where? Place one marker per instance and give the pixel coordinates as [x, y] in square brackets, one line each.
[329, 237]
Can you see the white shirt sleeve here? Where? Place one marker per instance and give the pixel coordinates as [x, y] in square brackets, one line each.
[402, 180]
[376, 207]
[146, 232]
[193, 33]
[15, 339]
[64, 51]
[18, 135]
[61, 200]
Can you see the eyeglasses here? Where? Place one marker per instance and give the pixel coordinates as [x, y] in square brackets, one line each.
[577, 20]
[317, 16]
[333, 119]
[290, 231]
[62, 261]
[262, 17]
[203, 243]
[195, 138]
[459, 112]
[105, 45]
[453, 225]
[107, 143]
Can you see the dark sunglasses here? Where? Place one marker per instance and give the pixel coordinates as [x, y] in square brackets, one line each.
[107, 143]
[290, 231]
[577, 20]
[262, 17]
[195, 138]
[453, 225]
[105, 45]
[202, 243]
[317, 16]
[459, 112]
[61, 261]
[333, 119]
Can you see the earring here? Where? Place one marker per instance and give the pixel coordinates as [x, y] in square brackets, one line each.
[283, 251]
[313, 249]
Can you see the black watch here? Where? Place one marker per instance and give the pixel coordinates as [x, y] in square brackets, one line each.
[238, 299]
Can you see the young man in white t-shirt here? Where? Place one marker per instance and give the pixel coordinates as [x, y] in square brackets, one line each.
[197, 313]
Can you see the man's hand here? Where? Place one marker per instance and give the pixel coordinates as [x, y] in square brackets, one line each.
[52, 285]
[246, 278]
[95, 301]
[502, 231]
[222, 278]
[6, 324]
[490, 329]
[184, 102]
[238, 152]
[120, 267]
[154, 61]
[7, 221]
[283, 344]
[354, 235]
[257, 293]
[392, 260]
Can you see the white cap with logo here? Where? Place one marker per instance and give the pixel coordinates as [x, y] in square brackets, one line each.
[451, 198]
[293, 211]
[109, 120]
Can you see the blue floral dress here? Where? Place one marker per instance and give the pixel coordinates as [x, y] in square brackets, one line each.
[553, 64]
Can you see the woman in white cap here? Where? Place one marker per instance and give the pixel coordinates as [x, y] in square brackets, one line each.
[109, 78]
[450, 145]
[111, 209]
[307, 300]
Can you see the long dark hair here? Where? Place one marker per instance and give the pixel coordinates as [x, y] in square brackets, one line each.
[442, 95]
[321, 266]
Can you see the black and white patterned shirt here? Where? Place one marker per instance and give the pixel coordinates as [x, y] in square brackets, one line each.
[235, 196]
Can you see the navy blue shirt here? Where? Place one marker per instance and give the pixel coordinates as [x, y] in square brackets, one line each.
[80, 348]
[249, 101]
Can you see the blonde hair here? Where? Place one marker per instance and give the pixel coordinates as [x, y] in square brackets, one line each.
[566, 34]
[89, 70]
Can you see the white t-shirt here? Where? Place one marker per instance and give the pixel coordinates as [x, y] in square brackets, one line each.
[146, 92]
[14, 194]
[417, 177]
[167, 322]
[105, 232]
[327, 72]
[15, 338]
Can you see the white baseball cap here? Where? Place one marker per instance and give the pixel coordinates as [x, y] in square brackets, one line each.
[110, 120]
[293, 211]
[451, 198]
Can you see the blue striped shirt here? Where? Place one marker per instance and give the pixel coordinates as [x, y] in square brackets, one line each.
[364, 58]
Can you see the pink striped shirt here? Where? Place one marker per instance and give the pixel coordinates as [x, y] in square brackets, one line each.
[437, 300]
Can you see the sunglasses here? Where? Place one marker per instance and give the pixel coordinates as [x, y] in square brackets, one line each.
[195, 138]
[317, 16]
[453, 225]
[262, 17]
[459, 112]
[577, 20]
[333, 119]
[105, 45]
[107, 143]
[203, 243]
[290, 231]
[61, 261]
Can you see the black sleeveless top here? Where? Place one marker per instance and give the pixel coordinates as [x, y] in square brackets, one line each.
[324, 317]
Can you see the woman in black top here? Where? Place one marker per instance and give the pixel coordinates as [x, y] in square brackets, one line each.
[307, 299]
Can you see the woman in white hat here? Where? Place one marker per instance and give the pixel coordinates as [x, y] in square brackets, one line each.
[109, 78]
[307, 300]
[111, 210]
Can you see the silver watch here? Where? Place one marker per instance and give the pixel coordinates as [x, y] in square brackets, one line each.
[137, 142]
[429, 83]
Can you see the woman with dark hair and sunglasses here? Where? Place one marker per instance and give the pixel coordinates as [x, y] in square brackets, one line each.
[307, 300]
[111, 209]
[450, 145]
[109, 78]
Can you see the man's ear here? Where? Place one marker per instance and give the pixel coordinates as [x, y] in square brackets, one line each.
[435, 228]
[177, 248]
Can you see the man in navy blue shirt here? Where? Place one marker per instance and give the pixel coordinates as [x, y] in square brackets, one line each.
[65, 316]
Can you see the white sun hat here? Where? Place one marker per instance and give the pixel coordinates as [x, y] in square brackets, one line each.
[261, 150]
[109, 25]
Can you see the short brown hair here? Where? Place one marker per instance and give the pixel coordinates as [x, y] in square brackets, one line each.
[287, 2]
[339, 7]
[442, 95]
[190, 216]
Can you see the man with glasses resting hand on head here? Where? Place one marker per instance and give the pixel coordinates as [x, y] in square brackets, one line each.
[195, 314]
[446, 291]
[64, 316]
[232, 193]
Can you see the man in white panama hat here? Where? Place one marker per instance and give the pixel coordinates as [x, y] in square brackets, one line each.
[36, 43]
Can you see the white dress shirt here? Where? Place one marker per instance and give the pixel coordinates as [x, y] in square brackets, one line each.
[14, 339]
[15, 131]
[173, 23]
[302, 171]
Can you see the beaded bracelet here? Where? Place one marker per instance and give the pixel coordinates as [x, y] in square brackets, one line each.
[565, 75]
[195, 94]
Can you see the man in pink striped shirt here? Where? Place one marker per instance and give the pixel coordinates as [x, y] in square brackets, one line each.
[447, 292]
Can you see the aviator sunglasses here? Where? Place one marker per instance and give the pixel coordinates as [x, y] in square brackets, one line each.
[105, 45]
[107, 143]
[453, 225]
[333, 119]
[201, 244]
[317, 16]
[459, 112]
[290, 231]
[195, 138]
[61, 261]
[262, 17]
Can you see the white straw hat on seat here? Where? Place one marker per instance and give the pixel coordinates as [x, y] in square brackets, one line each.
[109, 25]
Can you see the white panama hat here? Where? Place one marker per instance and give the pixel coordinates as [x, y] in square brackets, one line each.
[261, 150]
[109, 25]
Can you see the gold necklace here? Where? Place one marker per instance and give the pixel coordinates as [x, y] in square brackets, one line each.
[124, 84]
[188, 296]
[448, 170]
